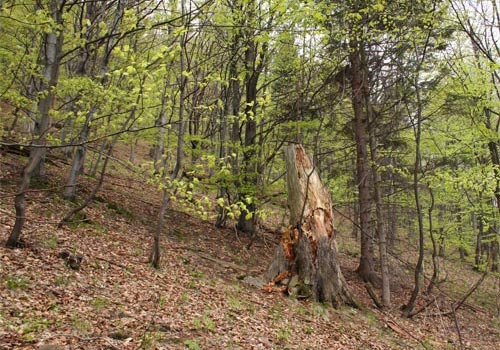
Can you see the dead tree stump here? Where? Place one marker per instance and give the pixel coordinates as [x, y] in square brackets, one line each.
[306, 261]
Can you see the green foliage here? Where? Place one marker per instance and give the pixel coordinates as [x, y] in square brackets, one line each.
[31, 326]
[99, 303]
[192, 344]
[283, 334]
[52, 242]
[234, 302]
[16, 282]
[205, 322]
[81, 325]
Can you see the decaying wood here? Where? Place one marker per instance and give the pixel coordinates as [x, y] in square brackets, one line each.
[307, 253]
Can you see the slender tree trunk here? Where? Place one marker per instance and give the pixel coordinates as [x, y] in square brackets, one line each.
[355, 205]
[377, 191]
[161, 122]
[133, 147]
[92, 195]
[222, 190]
[478, 258]
[51, 60]
[392, 216]
[79, 155]
[130, 119]
[96, 161]
[435, 263]
[365, 268]
[53, 42]
[20, 203]
[155, 256]
[408, 308]
[381, 233]
[231, 110]
[247, 219]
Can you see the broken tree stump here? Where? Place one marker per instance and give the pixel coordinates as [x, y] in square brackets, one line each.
[306, 261]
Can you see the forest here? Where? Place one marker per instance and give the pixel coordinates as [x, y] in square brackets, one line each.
[249, 174]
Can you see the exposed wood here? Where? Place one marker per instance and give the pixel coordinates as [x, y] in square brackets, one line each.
[307, 253]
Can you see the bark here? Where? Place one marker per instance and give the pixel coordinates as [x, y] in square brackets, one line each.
[381, 232]
[52, 51]
[435, 266]
[92, 195]
[79, 156]
[408, 308]
[223, 190]
[20, 203]
[478, 258]
[130, 119]
[254, 65]
[307, 254]
[494, 251]
[391, 215]
[246, 221]
[231, 110]
[155, 255]
[365, 268]
[377, 191]
[161, 122]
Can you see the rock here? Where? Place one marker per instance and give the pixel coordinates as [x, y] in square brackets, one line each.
[254, 281]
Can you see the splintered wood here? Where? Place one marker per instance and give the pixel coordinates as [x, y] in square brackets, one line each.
[306, 258]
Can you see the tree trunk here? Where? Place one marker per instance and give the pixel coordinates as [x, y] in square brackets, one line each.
[417, 126]
[365, 268]
[161, 122]
[307, 255]
[231, 111]
[155, 255]
[435, 264]
[51, 53]
[246, 221]
[79, 155]
[53, 42]
[78, 158]
[381, 232]
[478, 258]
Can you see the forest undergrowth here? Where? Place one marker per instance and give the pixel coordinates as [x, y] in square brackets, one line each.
[113, 299]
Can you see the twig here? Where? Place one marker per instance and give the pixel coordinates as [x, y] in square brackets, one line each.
[416, 312]
[471, 290]
[391, 320]
[152, 320]
[457, 326]
[372, 295]
[112, 263]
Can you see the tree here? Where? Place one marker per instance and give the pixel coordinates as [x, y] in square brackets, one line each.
[306, 261]
[79, 155]
[50, 58]
[154, 257]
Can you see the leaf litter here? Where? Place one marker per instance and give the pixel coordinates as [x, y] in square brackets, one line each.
[115, 300]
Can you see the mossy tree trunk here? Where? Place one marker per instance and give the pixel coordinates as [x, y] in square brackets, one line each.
[306, 261]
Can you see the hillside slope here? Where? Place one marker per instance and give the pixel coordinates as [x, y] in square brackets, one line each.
[115, 300]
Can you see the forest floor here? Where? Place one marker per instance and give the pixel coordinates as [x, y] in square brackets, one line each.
[197, 299]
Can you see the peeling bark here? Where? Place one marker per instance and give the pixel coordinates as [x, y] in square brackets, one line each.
[307, 257]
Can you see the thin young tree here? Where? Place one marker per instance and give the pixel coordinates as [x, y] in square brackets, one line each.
[52, 42]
